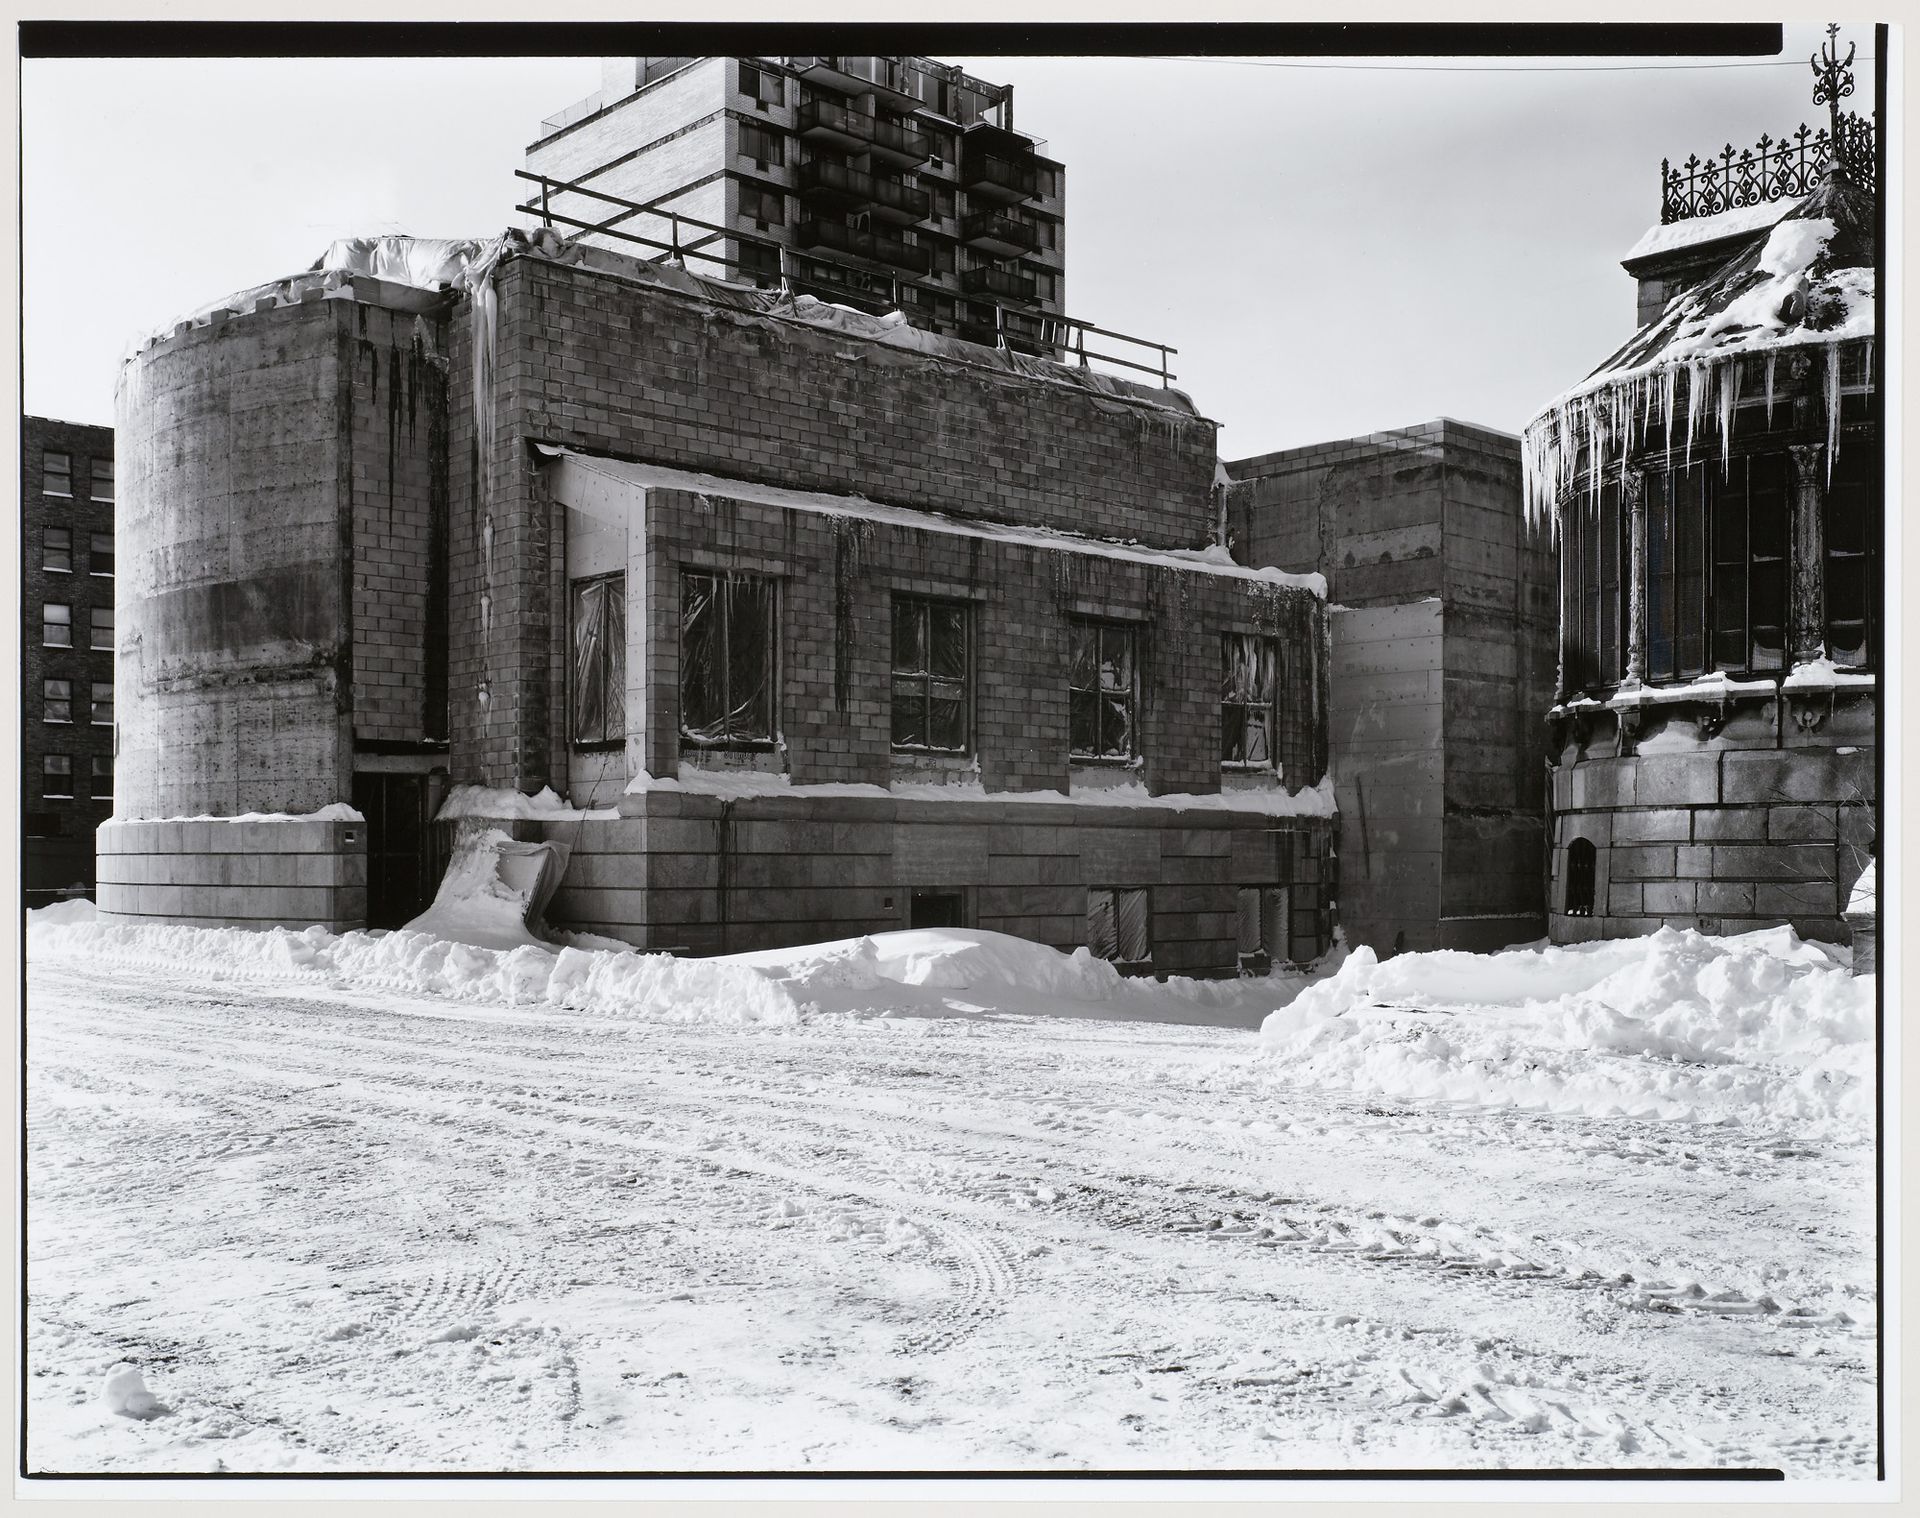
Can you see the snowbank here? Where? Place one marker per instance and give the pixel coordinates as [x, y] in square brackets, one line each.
[1754, 1028]
[916, 974]
[76, 909]
[337, 811]
[641, 987]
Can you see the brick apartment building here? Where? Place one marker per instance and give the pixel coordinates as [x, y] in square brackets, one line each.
[1442, 661]
[824, 624]
[882, 183]
[67, 663]
[1717, 485]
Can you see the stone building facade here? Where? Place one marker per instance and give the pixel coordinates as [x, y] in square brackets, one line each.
[67, 640]
[1442, 659]
[1717, 486]
[822, 625]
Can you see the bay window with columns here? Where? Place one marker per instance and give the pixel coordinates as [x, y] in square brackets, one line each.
[1744, 566]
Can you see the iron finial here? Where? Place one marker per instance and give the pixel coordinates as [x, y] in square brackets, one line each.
[1832, 76]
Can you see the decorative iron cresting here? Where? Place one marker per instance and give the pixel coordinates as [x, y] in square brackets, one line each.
[1777, 170]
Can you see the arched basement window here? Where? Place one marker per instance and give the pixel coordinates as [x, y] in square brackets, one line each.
[1579, 898]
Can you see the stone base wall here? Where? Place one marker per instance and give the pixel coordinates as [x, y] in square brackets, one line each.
[704, 876]
[1722, 840]
[234, 874]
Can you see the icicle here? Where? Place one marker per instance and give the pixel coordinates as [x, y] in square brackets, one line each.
[1666, 401]
[1729, 400]
[1833, 406]
[1770, 358]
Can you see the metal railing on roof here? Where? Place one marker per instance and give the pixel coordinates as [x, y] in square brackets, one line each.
[1061, 337]
[1770, 170]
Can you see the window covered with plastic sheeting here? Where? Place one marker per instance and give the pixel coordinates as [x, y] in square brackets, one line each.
[727, 658]
[1249, 681]
[931, 674]
[1103, 684]
[599, 611]
[1264, 927]
[1118, 923]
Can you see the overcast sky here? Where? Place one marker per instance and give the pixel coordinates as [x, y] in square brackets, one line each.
[1332, 249]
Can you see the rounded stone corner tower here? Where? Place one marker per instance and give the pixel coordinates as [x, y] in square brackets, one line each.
[1716, 488]
[275, 461]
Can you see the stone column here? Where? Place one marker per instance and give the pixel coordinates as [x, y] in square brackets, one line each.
[1807, 597]
[1633, 496]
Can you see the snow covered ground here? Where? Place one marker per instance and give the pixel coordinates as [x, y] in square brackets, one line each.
[941, 1201]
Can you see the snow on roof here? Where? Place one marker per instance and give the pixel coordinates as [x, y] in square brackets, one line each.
[583, 482]
[1808, 283]
[1697, 231]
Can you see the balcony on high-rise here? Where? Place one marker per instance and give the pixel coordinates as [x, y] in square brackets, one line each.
[886, 78]
[998, 165]
[863, 242]
[826, 182]
[997, 235]
[1008, 284]
[851, 131]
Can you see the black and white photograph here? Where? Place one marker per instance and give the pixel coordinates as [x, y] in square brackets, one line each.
[1087, 756]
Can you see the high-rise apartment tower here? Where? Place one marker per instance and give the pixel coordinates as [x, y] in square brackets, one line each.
[881, 183]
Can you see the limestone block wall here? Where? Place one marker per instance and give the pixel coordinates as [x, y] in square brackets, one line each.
[235, 874]
[233, 583]
[1387, 713]
[1757, 824]
[705, 875]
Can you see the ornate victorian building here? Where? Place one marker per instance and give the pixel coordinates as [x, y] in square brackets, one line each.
[1716, 485]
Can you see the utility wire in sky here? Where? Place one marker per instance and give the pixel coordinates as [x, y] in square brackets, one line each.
[1490, 68]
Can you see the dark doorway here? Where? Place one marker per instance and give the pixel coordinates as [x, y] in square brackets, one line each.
[936, 909]
[402, 870]
[1580, 861]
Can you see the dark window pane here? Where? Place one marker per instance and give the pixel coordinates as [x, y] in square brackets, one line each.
[949, 641]
[909, 713]
[947, 723]
[1130, 910]
[1116, 659]
[1084, 735]
[1103, 939]
[909, 635]
[56, 548]
[750, 657]
[1083, 655]
[1116, 726]
[1248, 899]
[702, 712]
[1259, 735]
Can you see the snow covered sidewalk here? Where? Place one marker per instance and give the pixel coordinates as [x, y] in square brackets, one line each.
[357, 1203]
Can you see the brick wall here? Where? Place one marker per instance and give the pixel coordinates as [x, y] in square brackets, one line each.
[235, 874]
[57, 848]
[234, 566]
[631, 370]
[838, 577]
[396, 446]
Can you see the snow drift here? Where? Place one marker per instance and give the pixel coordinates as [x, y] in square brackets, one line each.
[1757, 1027]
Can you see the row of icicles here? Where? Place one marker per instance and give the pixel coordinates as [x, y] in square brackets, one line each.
[1612, 419]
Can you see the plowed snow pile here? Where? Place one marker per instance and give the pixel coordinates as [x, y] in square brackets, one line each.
[1761, 1027]
[920, 973]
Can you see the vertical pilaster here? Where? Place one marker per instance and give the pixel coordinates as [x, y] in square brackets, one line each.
[1633, 495]
[1807, 605]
